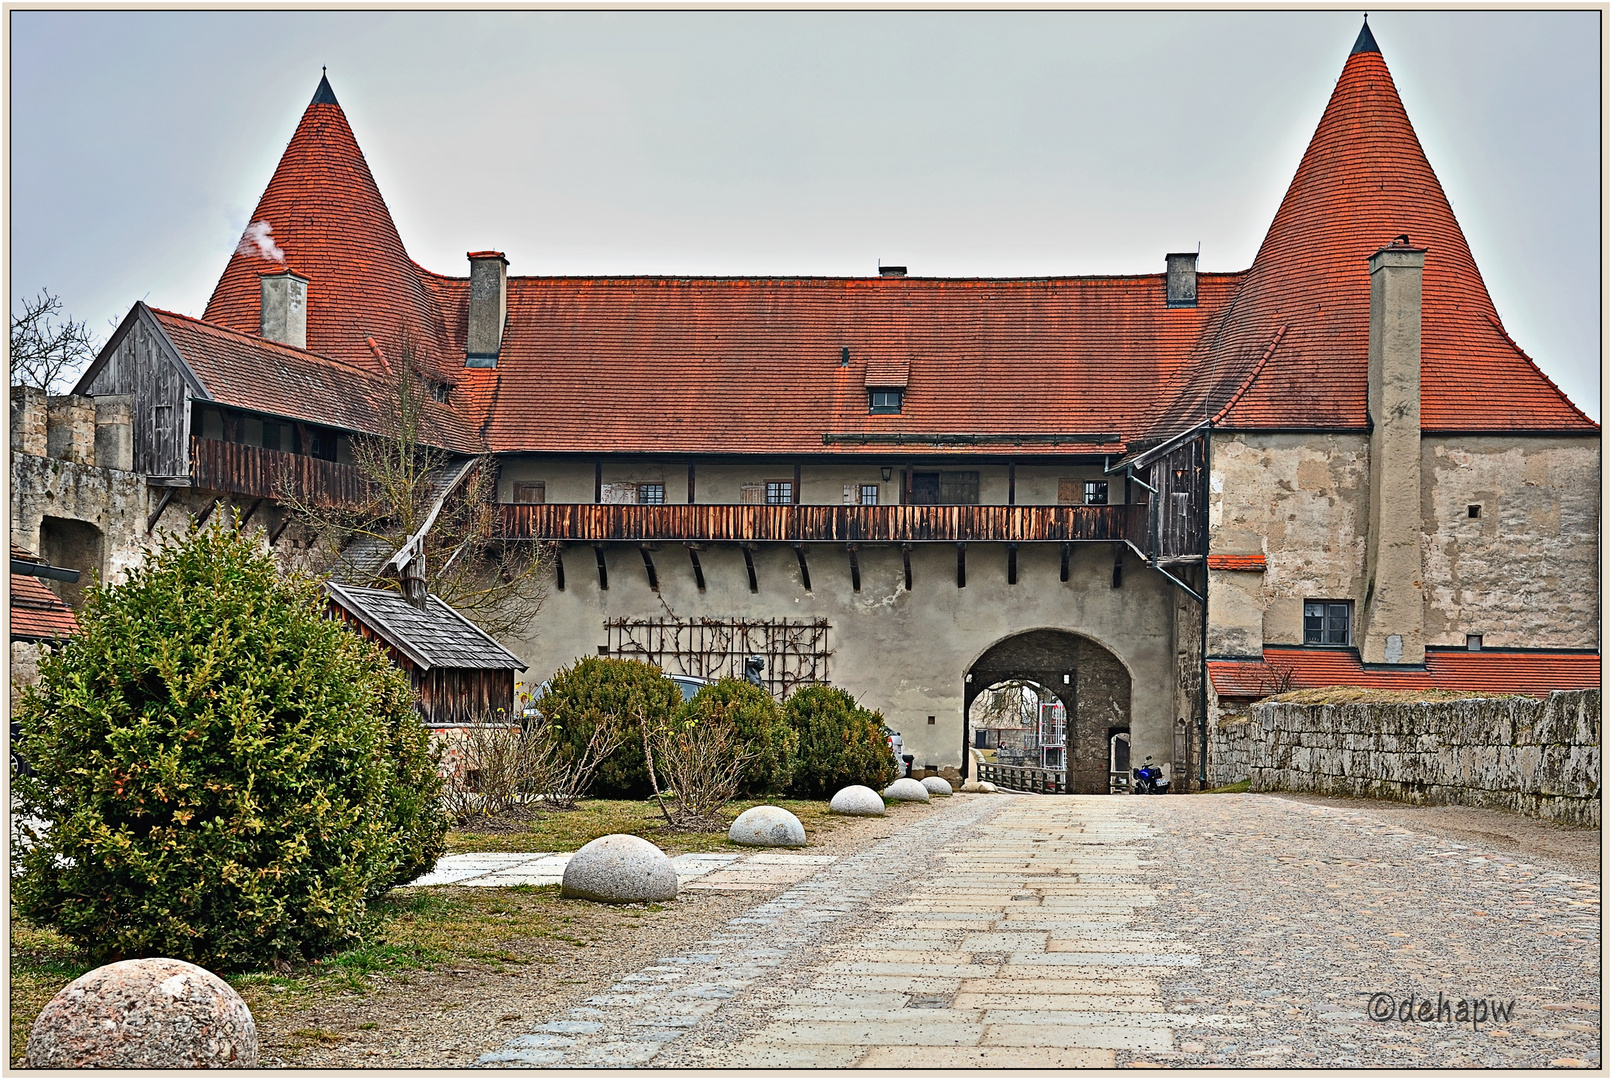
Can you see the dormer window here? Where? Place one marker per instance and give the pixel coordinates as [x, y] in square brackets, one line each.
[884, 401]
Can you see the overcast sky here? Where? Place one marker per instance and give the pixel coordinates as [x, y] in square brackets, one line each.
[957, 143]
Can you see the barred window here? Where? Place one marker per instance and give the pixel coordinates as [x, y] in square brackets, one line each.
[1096, 493]
[651, 494]
[780, 492]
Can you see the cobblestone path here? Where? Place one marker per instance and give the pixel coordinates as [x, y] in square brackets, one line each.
[1062, 931]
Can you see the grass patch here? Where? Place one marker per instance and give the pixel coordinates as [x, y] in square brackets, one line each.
[1239, 788]
[568, 830]
[413, 930]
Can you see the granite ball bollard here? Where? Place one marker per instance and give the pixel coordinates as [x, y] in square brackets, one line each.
[145, 1014]
[767, 826]
[619, 869]
[856, 801]
[937, 785]
[907, 790]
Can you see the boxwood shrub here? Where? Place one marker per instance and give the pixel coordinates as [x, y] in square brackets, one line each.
[758, 721]
[609, 690]
[841, 743]
[219, 773]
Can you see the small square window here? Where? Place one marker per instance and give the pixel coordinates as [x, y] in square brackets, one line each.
[530, 494]
[1096, 493]
[780, 492]
[1474, 643]
[1474, 509]
[884, 401]
[870, 494]
[1326, 622]
[651, 494]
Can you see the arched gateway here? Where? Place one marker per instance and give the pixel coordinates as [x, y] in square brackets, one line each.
[1092, 683]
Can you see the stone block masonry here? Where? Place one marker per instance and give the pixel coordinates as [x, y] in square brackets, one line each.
[1541, 758]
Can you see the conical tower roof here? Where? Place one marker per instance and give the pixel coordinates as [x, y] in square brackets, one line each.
[327, 218]
[1290, 349]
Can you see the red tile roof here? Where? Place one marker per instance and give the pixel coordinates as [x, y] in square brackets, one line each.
[1363, 181]
[702, 365]
[1497, 671]
[246, 372]
[887, 374]
[1237, 562]
[37, 614]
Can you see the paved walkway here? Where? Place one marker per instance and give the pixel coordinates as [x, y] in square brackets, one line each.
[1067, 931]
[728, 871]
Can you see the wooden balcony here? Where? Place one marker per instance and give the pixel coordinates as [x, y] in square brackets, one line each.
[601, 523]
[251, 470]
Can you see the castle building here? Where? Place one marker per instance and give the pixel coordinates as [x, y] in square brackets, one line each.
[1156, 496]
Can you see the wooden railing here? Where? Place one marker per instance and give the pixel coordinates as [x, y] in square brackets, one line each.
[251, 470]
[591, 522]
[1028, 778]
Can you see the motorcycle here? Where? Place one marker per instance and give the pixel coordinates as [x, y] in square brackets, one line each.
[1150, 780]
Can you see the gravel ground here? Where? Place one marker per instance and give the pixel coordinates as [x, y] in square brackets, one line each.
[446, 1019]
[1302, 909]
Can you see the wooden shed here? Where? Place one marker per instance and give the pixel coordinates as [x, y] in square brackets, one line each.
[460, 674]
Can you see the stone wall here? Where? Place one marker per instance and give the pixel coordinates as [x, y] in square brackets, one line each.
[1525, 755]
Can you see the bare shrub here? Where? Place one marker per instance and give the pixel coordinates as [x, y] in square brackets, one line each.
[495, 767]
[702, 765]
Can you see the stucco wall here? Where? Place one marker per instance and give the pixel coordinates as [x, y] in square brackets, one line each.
[1525, 572]
[1521, 754]
[902, 652]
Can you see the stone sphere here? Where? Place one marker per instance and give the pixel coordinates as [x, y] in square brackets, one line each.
[979, 787]
[858, 801]
[937, 785]
[145, 1014]
[767, 826]
[619, 869]
[907, 790]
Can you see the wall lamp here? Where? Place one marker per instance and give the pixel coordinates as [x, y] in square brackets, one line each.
[884, 473]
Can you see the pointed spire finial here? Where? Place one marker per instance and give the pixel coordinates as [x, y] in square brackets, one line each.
[1365, 43]
[324, 95]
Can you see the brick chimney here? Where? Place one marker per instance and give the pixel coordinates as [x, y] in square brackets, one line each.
[1181, 279]
[1391, 626]
[489, 306]
[284, 316]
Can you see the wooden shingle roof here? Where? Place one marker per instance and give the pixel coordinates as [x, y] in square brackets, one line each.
[435, 636]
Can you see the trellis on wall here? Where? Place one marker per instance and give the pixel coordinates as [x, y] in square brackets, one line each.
[796, 650]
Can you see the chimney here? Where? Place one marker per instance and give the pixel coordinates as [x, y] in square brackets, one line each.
[892, 271]
[1391, 629]
[484, 336]
[284, 317]
[1181, 279]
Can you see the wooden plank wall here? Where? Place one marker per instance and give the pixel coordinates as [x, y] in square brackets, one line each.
[252, 470]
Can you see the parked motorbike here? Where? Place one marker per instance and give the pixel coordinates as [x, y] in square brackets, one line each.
[1150, 780]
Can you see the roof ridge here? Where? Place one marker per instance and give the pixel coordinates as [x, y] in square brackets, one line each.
[1259, 366]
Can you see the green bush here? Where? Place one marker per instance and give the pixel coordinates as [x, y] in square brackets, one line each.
[757, 721]
[841, 743]
[220, 773]
[604, 690]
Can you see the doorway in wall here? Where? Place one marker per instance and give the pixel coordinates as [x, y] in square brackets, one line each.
[77, 545]
[1064, 676]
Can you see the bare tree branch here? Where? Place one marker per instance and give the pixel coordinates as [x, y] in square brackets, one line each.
[47, 350]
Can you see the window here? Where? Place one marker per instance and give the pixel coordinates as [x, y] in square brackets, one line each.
[1474, 509]
[884, 401]
[1474, 643]
[946, 488]
[1326, 622]
[1096, 493]
[870, 494]
[780, 492]
[651, 494]
[531, 494]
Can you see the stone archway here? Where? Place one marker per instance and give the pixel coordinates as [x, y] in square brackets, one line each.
[1092, 683]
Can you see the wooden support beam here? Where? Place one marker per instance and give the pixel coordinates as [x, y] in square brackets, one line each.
[1063, 562]
[856, 569]
[604, 575]
[649, 567]
[598, 481]
[162, 504]
[906, 564]
[699, 573]
[201, 519]
[962, 567]
[749, 566]
[691, 482]
[1119, 565]
[559, 567]
[248, 515]
[1013, 564]
[285, 521]
[794, 490]
[805, 573]
[1012, 482]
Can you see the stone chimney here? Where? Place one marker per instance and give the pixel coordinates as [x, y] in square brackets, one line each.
[284, 318]
[1181, 279]
[1391, 627]
[489, 306]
